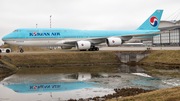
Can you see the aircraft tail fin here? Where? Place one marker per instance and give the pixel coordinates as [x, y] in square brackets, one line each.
[152, 23]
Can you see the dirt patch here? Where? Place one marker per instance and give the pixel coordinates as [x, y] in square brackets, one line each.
[4, 72]
[169, 94]
[119, 93]
[6, 69]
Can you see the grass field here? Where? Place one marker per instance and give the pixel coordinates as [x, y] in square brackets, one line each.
[70, 69]
[163, 57]
[61, 58]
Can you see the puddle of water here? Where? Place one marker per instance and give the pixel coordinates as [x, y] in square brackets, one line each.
[62, 86]
[172, 82]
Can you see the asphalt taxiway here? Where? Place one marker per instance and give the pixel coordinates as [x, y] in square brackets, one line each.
[136, 48]
[105, 49]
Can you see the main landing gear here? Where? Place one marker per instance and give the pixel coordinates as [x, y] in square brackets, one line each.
[93, 49]
[21, 50]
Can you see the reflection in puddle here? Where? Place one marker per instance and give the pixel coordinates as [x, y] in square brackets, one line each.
[60, 86]
[48, 82]
[131, 69]
[50, 87]
[150, 82]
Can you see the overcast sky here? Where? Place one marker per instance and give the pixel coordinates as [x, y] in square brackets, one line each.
[80, 14]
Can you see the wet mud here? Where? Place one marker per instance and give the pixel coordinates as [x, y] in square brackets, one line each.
[118, 93]
[4, 71]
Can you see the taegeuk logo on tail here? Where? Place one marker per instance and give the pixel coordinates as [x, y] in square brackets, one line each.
[153, 21]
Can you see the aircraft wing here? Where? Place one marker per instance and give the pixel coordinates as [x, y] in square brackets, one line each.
[98, 40]
[67, 41]
[92, 40]
[146, 35]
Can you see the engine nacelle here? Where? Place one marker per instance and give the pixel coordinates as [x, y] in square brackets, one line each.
[113, 41]
[83, 45]
[66, 47]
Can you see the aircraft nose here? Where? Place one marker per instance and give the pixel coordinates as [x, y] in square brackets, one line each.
[6, 37]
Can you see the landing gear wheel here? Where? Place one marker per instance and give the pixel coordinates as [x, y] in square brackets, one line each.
[90, 49]
[93, 49]
[97, 49]
[7, 51]
[21, 50]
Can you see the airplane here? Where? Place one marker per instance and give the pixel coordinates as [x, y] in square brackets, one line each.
[81, 39]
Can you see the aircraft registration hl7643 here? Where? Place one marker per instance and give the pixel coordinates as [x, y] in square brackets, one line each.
[81, 39]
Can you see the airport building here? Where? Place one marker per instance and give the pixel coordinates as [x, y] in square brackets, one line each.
[169, 37]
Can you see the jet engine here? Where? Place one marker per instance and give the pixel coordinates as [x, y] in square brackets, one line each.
[113, 41]
[83, 45]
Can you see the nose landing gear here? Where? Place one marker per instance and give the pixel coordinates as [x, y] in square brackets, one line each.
[21, 50]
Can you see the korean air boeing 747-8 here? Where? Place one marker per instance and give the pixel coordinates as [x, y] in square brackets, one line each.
[81, 39]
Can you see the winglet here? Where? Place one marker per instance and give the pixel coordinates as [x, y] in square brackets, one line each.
[152, 23]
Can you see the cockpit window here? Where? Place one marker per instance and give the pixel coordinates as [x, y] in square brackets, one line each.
[15, 31]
